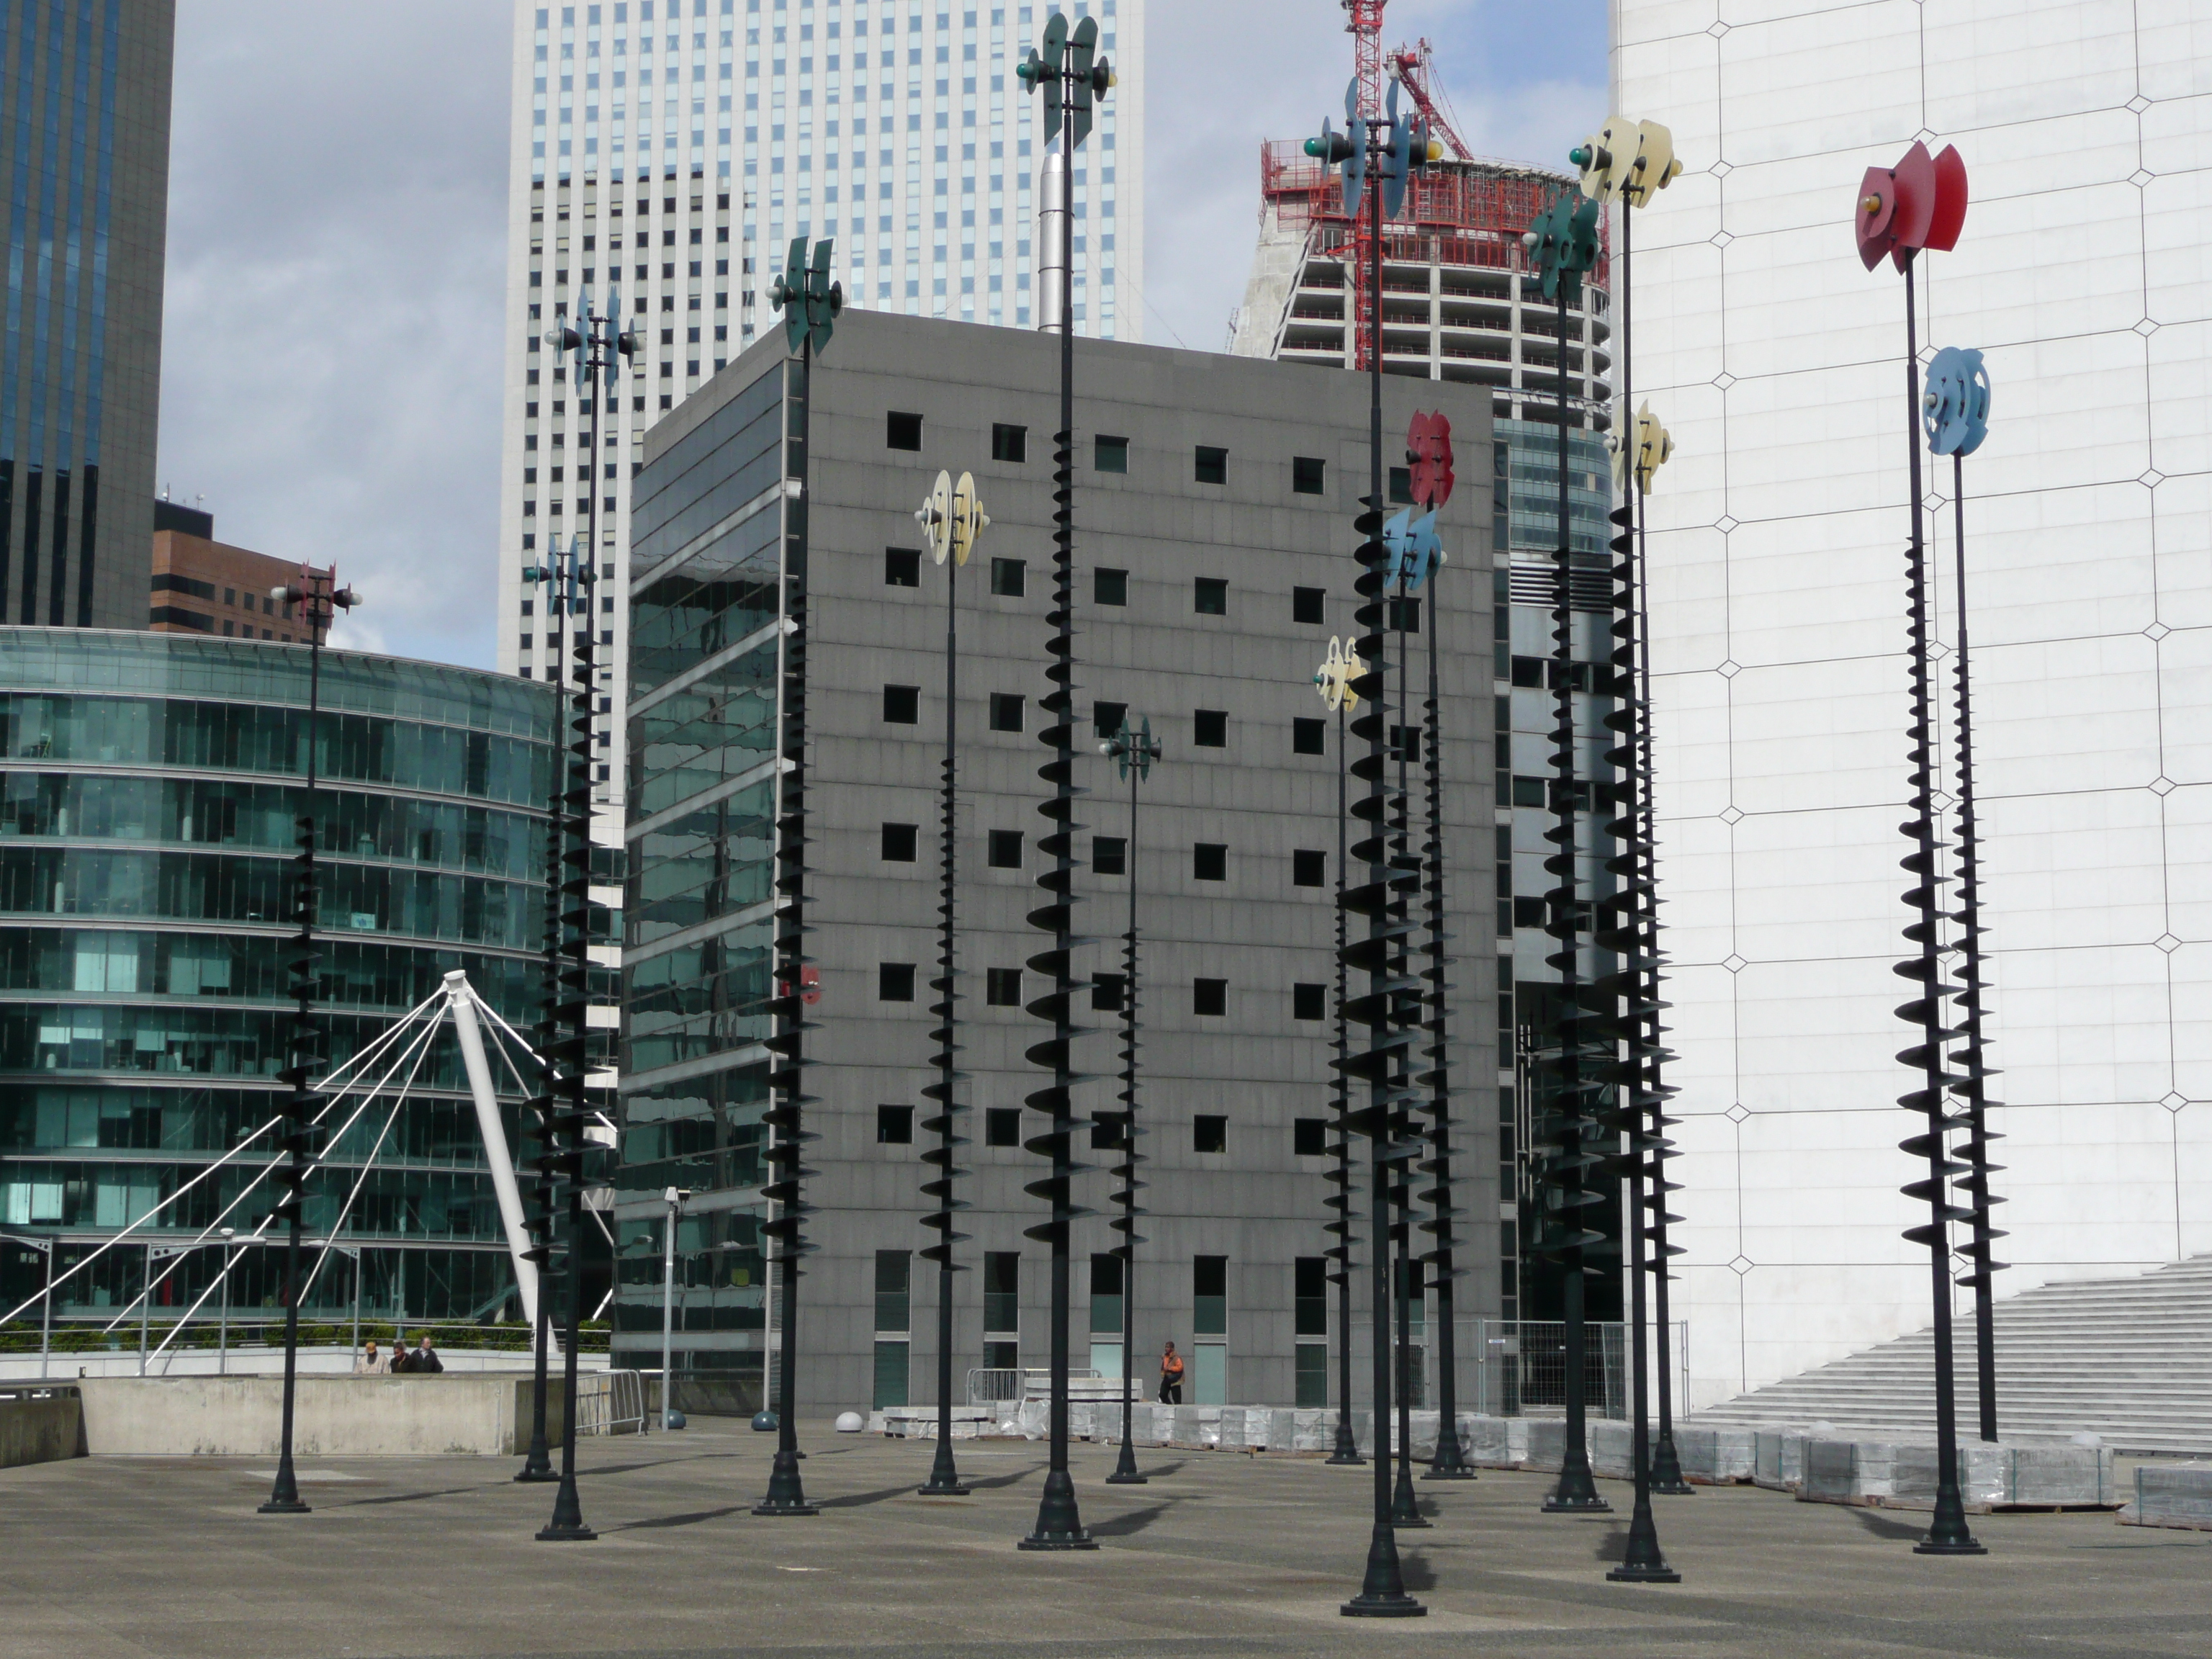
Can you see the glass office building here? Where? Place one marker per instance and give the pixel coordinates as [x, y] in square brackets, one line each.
[705, 654]
[148, 785]
[84, 153]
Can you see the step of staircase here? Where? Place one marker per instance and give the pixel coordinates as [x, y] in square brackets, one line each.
[2127, 1359]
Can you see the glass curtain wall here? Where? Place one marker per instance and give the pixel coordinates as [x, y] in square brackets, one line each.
[705, 661]
[148, 788]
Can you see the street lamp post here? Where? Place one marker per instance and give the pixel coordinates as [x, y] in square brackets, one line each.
[1133, 754]
[223, 1329]
[953, 519]
[45, 1247]
[1376, 157]
[1072, 76]
[320, 599]
[1334, 681]
[673, 1197]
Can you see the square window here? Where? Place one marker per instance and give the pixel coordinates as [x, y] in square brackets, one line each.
[1210, 728]
[1310, 1377]
[1309, 1137]
[1209, 861]
[1110, 855]
[1005, 849]
[1528, 792]
[1002, 987]
[1310, 1002]
[1309, 605]
[1106, 1131]
[1403, 613]
[1307, 473]
[1212, 597]
[903, 705]
[1308, 736]
[1528, 672]
[1406, 740]
[894, 1128]
[1211, 465]
[1207, 996]
[1009, 443]
[1309, 868]
[902, 431]
[1401, 486]
[1209, 1134]
[1005, 712]
[1106, 717]
[1109, 454]
[895, 981]
[1108, 992]
[899, 840]
[1527, 913]
[1109, 587]
[1002, 1127]
[1009, 577]
[901, 567]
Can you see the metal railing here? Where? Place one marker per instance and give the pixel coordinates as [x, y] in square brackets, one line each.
[1521, 1368]
[993, 1386]
[611, 1402]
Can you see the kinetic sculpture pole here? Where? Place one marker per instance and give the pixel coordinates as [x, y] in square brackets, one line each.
[953, 520]
[1334, 681]
[1133, 754]
[320, 598]
[600, 348]
[810, 302]
[1429, 464]
[1072, 76]
[1631, 160]
[1563, 246]
[1956, 413]
[1922, 204]
[558, 578]
[1388, 151]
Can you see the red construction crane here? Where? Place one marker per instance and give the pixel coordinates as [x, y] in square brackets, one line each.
[1411, 70]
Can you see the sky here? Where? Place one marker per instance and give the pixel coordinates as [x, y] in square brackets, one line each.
[336, 256]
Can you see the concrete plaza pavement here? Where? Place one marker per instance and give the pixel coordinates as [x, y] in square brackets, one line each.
[1222, 1554]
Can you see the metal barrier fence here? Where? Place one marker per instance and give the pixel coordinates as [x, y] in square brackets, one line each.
[993, 1386]
[609, 1403]
[1521, 1368]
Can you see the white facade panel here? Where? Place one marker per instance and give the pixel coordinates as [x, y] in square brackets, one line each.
[1778, 531]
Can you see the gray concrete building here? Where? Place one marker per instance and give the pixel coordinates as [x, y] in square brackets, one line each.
[84, 191]
[1213, 504]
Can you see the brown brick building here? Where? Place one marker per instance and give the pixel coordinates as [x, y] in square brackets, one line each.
[202, 586]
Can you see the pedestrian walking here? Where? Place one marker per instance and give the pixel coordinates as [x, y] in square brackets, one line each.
[1171, 1377]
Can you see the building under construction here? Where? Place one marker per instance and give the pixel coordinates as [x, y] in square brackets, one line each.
[1460, 303]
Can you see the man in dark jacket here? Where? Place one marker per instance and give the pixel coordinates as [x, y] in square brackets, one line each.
[424, 1361]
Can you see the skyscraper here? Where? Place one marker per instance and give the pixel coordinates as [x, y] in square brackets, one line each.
[85, 188]
[666, 152]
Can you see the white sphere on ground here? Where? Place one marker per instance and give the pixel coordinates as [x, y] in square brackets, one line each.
[850, 1422]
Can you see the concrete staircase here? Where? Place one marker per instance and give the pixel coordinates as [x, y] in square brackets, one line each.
[2129, 1359]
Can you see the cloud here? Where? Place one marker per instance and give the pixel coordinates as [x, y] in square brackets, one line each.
[333, 329]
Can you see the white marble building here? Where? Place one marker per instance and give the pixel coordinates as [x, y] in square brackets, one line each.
[1775, 360]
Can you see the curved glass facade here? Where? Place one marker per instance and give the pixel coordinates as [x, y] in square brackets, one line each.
[148, 788]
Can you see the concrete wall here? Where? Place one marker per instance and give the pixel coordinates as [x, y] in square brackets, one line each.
[39, 1425]
[334, 1416]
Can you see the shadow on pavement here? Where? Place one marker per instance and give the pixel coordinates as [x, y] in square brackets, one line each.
[1414, 1569]
[690, 1520]
[1907, 1532]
